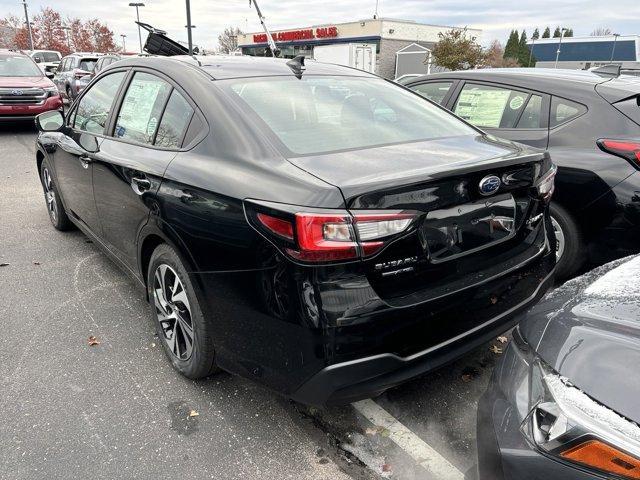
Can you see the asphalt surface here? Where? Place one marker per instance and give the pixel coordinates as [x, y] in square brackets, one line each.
[118, 409]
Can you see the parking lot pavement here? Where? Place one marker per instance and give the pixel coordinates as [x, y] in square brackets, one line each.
[117, 409]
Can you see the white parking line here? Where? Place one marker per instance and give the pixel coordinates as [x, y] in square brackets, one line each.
[438, 466]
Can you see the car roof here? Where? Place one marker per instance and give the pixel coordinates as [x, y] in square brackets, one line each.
[232, 66]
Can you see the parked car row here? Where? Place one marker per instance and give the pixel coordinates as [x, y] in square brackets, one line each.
[330, 234]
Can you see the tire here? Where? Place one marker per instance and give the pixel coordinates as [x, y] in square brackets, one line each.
[57, 214]
[177, 315]
[570, 247]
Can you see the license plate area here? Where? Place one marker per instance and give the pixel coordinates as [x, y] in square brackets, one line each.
[453, 232]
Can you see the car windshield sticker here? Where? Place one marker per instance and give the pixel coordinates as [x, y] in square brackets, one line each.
[482, 107]
[516, 102]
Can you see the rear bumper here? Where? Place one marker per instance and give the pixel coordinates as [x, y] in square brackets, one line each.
[367, 377]
[28, 112]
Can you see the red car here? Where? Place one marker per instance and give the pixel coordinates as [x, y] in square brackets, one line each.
[25, 91]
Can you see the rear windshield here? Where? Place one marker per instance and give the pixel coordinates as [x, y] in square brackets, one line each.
[87, 64]
[50, 57]
[18, 66]
[319, 114]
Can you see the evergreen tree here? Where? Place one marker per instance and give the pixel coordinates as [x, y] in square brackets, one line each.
[536, 34]
[569, 33]
[523, 50]
[546, 33]
[557, 33]
[512, 46]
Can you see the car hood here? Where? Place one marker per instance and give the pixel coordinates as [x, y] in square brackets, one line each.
[25, 82]
[588, 330]
[365, 170]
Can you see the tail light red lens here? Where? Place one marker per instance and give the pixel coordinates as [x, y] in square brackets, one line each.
[628, 149]
[547, 184]
[329, 237]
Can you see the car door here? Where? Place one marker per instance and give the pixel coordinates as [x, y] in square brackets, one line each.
[78, 145]
[58, 78]
[504, 111]
[133, 158]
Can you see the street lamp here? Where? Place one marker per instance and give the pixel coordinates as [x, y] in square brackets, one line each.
[26, 17]
[533, 42]
[559, 45]
[124, 46]
[189, 27]
[137, 5]
[67, 33]
[613, 50]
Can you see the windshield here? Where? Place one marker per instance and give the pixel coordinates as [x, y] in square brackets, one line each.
[18, 66]
[319, 114]
[51, 57]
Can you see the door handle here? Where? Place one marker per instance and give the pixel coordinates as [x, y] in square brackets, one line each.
[141, 184]
[85, 160]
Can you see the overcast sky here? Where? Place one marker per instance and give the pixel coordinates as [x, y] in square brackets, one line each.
[495, 17]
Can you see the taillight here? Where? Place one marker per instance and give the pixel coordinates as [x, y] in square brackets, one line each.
[80, 73]
[627, 149]
[332, 235]
[547, 184]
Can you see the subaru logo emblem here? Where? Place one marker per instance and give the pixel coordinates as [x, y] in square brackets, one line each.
[489, 185]
[16, 92]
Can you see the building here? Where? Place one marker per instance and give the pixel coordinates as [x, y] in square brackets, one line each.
[587, 52]
[401, 46]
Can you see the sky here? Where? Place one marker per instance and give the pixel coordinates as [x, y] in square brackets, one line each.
[495, 17]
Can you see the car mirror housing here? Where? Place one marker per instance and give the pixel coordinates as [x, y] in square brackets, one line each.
[49, 74]
[51, 121]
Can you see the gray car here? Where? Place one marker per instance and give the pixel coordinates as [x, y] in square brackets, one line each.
[72, 68]
[563, 400]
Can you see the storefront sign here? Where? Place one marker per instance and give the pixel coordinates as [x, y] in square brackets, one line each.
[293, 35]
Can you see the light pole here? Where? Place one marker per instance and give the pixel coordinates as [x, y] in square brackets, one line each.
[124, 46]
[375, 15]
[137, 5]
[533, 42]
[189, 27]
[67, 33]
[559, 45]
[26, 17]
[613, 50]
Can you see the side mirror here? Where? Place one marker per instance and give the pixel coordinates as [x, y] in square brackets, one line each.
[49, 74]
[51, 121]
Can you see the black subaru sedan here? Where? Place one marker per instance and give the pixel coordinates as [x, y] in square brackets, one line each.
[315, 228]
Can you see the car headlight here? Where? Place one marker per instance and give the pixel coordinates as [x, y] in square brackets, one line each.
[567, 424]
[51, 91]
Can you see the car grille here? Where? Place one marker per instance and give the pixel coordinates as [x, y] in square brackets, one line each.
[22, 96]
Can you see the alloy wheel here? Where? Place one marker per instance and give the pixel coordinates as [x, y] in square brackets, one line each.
[50, 195]
[560, 240]
[173, 311]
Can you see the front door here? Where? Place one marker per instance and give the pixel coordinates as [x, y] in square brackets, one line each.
[78, 147]
[147, 135]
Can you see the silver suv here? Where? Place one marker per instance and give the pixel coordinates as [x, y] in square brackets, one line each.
[72, 68]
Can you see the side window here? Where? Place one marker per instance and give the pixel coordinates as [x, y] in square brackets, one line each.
[141, 108]
[63, 65]
[564, 110]
[174, 123]
[95, 105]
[434, 91]
[532, 113]
[491, 107]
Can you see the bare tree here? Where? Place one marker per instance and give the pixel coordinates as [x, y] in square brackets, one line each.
[228, 40]
[601, 31]
[494, 57]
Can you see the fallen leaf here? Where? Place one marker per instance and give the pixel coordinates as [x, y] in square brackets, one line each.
[93, 341]
[4, 264]
[495, 349]
[493, 299]
[386, 467]
[193, 413]
[371, 431]
[466, 378]
[503, 339]
[36, 263]
[153, 344]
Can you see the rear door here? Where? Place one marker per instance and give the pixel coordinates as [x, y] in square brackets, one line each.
[146, 133]
[504, 111]
[438, 91]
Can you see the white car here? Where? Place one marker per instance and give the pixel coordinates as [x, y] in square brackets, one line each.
[47, 60]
